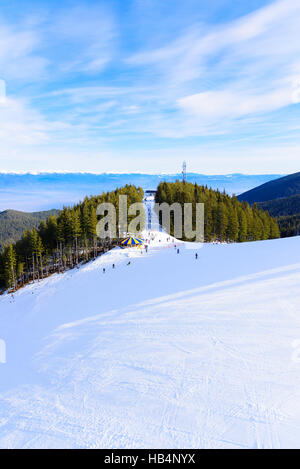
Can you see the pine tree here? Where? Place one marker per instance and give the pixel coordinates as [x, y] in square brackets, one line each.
[10, 267]
[243, 229]
[52, 246]
[39, 255]
[222, 221]
[274, 229]
[233, 225]
[225, 218]
[76, 231]
[20, 272]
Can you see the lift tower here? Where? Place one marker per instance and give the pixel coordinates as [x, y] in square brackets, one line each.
[184, 172]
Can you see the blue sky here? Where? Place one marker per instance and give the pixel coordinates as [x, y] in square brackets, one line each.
[120, 85]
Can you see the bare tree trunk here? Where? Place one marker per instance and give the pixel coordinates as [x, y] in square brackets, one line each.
[42, 274]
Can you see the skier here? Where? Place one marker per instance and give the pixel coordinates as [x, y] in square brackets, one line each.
[128, 263]
[196, 256]
[177, 251]
[113, 266]
[104, 271]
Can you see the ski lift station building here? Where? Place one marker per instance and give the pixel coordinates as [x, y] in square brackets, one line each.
[149, 194]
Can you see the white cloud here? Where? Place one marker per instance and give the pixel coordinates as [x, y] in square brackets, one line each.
[209, 81]
[87, 35]
[48, 47]
[234, 104]
[18, 58]
[234, 70]
[2, 92]
[77, 39]
[200, 42]
[19, 123]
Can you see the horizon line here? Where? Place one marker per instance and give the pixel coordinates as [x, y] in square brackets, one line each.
[36, 173]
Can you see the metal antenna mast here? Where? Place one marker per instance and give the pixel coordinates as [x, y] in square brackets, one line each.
[184, 172]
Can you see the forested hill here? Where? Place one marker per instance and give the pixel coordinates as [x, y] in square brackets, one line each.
[285, 206]
[281, 198]
[13, 223]
[226, 219]
[286, 186]
[62, 241]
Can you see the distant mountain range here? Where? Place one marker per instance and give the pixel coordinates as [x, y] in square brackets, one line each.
[281, 197]
[286, 186]
[14, 223]
[35, 192]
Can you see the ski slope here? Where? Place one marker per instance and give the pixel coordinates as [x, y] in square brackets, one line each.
[166, 352]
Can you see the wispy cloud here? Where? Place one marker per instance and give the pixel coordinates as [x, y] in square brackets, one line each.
[18, 57]
[89, 75]
[36, 52]
[239, 69]
[86, 35]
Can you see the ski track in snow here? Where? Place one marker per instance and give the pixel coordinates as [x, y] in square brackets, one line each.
[168, 352]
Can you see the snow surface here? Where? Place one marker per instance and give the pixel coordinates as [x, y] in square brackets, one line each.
[167, 352]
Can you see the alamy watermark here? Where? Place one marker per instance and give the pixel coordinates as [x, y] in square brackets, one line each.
[2, 351]
[186, 221]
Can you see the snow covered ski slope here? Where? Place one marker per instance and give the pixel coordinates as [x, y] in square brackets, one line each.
[168, 351]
